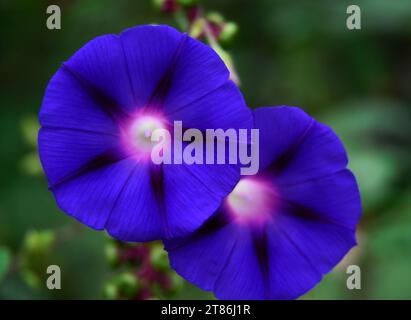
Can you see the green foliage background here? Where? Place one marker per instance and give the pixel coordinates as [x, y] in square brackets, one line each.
[293, 52]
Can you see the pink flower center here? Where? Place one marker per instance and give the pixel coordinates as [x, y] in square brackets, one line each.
[252, 200]
[138, 134]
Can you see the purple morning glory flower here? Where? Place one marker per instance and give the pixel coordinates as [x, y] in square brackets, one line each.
[97, 115]
[280, 230]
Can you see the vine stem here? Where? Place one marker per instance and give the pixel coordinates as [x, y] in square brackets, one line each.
[201, 23]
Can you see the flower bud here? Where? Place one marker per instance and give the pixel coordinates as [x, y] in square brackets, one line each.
[39, 242]
[166, 6]
[110, 291]
[215, 17]
[111, 253]
[158, 258]
[228, 32]
[128, 284]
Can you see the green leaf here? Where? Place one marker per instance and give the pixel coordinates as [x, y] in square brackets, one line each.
[4, 262]
[39, 242]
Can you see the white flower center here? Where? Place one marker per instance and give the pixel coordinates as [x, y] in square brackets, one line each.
[141, 131]
[251, 200]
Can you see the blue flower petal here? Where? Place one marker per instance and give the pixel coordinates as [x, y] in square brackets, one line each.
[195, 63]
[281, 130]
[100, 66]
[135, 215]
[68, 153]
[92, 198]
[194, 192]
[67, 104]
[207, 112]
[151, 53]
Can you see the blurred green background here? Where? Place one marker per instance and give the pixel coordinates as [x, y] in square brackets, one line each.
[293, 52]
